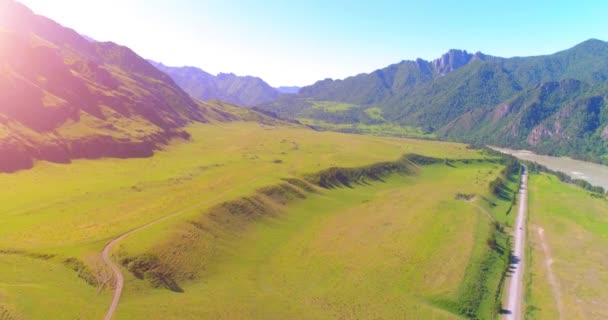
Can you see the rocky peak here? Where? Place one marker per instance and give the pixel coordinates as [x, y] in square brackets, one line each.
[479, 56]
[452, 60]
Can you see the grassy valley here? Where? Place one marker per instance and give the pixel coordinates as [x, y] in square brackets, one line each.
[383, 129]
[133, 190]
[378, 249]
[61, 220]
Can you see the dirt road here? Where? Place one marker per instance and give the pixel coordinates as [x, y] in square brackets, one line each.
[105, 254]
[553, 282]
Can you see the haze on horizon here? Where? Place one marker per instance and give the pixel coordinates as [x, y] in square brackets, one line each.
[287, 43]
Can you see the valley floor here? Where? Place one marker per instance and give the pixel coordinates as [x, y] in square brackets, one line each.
[402, 248]
[568, 238]
[405, 245]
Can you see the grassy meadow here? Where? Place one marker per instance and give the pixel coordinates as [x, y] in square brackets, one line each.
[380, 129]
[331, 106]
[568, 267]
[402, 248]
[35, 288]
[342, 252]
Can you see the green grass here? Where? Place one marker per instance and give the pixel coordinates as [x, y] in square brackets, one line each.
[331, 106]
[73, 210]
[400, 248]
[575, 225]
[382, 129]
[375, 113]
[33, 288]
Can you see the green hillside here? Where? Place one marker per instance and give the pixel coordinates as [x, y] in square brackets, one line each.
[511, 102]
[560, 118]
[250, 210]
[64, 97]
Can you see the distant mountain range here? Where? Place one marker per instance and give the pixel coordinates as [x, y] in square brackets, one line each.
[242, 90]
[63, 96]
[554, 104]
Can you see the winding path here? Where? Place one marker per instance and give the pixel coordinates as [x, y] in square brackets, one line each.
[105, 254]
[514, 293]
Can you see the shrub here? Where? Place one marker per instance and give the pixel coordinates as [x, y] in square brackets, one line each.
[83, 271]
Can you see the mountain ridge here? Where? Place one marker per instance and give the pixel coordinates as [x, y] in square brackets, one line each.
[242, 90]
[431, 95]
[63, 97]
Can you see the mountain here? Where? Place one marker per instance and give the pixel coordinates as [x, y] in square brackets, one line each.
[452, 96]
[64, 97]
[288, 89]
[88, 38]
[567, 117]
[394, 80]
[245, 91]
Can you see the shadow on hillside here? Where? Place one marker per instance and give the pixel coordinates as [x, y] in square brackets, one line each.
[340, 181]
[505, 193]
[450, 164]
[498, 248]
[170, 284]
[513, 178]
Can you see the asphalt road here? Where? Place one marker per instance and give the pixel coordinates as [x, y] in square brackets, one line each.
[513, 310]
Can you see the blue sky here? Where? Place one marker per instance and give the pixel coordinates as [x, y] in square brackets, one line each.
[300, 42]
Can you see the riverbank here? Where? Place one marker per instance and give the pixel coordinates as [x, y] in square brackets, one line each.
[595, 174]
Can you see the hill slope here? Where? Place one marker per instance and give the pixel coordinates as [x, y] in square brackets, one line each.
[246, 91]
[565, 117]
[64, 97]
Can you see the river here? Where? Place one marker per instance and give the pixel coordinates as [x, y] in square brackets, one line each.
[594, 173]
